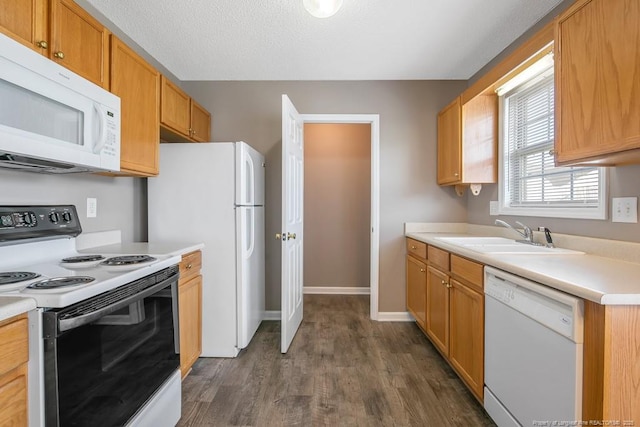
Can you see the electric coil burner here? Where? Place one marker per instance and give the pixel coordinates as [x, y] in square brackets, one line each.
[12, 277]
[61, 282]
[81, 258]
[128, 260]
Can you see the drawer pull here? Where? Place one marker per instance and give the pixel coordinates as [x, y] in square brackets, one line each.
[414, 247]
[59, 55]
[422, 270]
[189, 266]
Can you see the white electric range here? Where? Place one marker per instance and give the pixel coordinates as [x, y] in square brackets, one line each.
[110, 320]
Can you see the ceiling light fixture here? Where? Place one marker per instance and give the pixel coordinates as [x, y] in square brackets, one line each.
[322, 8]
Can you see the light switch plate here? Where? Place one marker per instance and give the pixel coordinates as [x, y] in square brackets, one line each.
[624, 209]
[92, 207]
[493, 207]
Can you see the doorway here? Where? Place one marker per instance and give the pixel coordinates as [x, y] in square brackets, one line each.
[344, 127]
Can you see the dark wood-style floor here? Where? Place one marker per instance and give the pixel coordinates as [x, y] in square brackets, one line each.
[342, 369]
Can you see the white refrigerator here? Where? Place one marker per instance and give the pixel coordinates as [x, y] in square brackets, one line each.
[214, 193]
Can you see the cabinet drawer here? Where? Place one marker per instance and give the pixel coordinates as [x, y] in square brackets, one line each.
[470, 271]
[14, 336]
[417, 248]
[438, 257]
[190, 265]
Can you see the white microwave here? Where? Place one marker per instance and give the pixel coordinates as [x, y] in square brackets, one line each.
[51, 119]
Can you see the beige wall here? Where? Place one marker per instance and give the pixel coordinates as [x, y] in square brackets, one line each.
[252, 112]
[337, 204]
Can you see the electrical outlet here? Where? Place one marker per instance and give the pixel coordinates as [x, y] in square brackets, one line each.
[493, 207]
[624, 209]
[92, 207]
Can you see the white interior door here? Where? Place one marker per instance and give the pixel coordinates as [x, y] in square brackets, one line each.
[292, 215]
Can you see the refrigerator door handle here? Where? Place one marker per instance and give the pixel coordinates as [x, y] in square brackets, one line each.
[250, 178]
[251, 233]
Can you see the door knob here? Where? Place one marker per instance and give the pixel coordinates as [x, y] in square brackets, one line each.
[291, 236]
[280, 237]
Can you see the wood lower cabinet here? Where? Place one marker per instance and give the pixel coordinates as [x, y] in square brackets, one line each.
[182, 119]
[597, 52]
[453, 308]
[190, 310]
[417, 290]
[14, 355]
[438, 309]
[138, 85]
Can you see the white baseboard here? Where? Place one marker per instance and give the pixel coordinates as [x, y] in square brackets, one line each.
[397, 316]
[336, 290]
[272, 315]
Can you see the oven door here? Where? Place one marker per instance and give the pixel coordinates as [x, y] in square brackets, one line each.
[105, 357]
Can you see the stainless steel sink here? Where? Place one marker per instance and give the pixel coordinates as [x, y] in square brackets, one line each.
[500, 245]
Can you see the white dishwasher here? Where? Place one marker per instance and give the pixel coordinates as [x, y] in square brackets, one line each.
[533, 352]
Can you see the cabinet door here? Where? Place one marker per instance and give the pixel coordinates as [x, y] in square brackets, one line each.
[175, 108]
[417, 290]
[13, 398]
[597, 74]
[138, 85]
[200, 123]
[438, 308]
[79, 42]
[26, 22]
[190, 314]
[450, 144]
[466, 345]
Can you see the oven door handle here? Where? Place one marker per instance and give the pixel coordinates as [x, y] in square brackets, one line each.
[83, 319]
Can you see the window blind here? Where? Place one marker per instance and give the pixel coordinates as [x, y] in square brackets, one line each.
[531, 178]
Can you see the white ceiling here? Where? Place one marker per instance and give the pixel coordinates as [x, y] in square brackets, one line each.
[365, 40]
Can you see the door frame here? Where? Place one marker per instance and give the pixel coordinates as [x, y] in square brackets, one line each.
[374, 121]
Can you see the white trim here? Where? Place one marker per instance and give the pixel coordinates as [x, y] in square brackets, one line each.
[397, 316]
[374, 120]
[336, 290]
[272, 315]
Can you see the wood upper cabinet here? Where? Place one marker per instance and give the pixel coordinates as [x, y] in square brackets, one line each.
[467, 141]
[14, 355]
[597, 52]
[200, 123]
[138, 85]
[27, 22]
[190, 310]
[182, 116]
[79, 42]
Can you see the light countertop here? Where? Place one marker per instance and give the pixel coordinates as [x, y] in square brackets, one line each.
[602, 280]
[139, 248]
[13, 306]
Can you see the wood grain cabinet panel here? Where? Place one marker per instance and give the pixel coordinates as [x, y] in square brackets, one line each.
[183, 118]
[190, 314]
[200, 123]
[14, 356]
[27, 22]
[597, 52]
[79, 42]
[467, 141]
[417, 290]
[416, 248]
[190, 265]
[466, 329]
[138, 85]
[438, 309]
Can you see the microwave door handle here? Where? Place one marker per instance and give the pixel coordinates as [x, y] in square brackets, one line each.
[102, 124]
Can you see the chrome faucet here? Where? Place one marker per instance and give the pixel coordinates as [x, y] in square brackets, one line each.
[526, 232]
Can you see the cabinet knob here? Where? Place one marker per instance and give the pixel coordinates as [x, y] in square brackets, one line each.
[414, 247]
[443, 282]
[59, 55]
[422, 270]
[448, 285]
[552, 152]
[42, 44]
[189, 266]
[456, 174]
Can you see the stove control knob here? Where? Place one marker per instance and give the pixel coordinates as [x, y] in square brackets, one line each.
[66, 216]
[54, 217]
[27, 218]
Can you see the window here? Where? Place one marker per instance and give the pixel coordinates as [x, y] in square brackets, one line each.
[530, 183]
